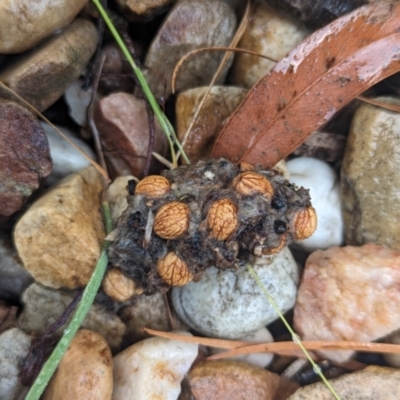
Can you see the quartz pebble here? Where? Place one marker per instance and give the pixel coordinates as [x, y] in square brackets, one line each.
[14, 347]
[85, 371]
[371, 383]
[142, 9]
[78, 100]
[190, 25]
[229, 304]
[23, 24]
[219, 105]
[370, 177]
[268, 33]
[262, 360]
[227, 380]
[42, 76]
[66, 159]
[323, 183]
[14, 277]
[152, 369]
[59, 238]
[24, 156]
[349, 293]
[43, 306]
[123, 124]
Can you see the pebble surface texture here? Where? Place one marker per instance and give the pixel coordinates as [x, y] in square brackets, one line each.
[43, 306]
[42, 76]
[349, 293]
[323, 183]
[206, 214]
[370, 177]
[231, 305]
[190, 25]
[371, 383]
[152, 369]
[59, 238]
[228, 380]
[24, 23]
[14, 347]
[24, 156]
[85, 371]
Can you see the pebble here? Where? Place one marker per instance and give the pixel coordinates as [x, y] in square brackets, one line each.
[349, 293]
[229, 304]
[262, 360]
[218, 107]
[123, 125]
[59, 238]
[24, 24]
[152, 369]
[42, 76]
[78, 101]
[190, 25]
[142, 10]
[146, 312]
[85, 371]
[66, 159]
[370, 177]
[117, 194]
[43, 306]
[24, 157]
[14, 347]
[14, 277]
[371, 383]
[231, 380]
[268, 33]
[323, 183]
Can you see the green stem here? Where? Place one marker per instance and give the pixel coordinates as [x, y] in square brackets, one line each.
[162, 119]
[86, 302]
[295, 337]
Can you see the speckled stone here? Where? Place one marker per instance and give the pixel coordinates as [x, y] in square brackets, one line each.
[370, 179]
[229, 304]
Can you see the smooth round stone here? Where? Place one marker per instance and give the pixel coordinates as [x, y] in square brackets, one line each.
[230, 304]
[323, 183]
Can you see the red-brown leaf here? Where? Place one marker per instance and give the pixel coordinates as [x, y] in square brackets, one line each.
[316, 79]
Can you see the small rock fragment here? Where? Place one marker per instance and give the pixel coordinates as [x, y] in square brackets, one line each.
[229, 304]
[24, 24]
[349, 293]
[323, 183]
[227, 380]
[146, 312]
[218, 107]
[123, 124]
[42, 76]
[268, 33]
[14, 347]
[24, 156]
[43, 306]
[66, 159]
[85, 371]
[142, 9]
[78, 100]
[59, 238]
[116, 195]
[190, 25]
[370, 177]
[261, 360]
[371, 383]
[14, 277]
[152, 369]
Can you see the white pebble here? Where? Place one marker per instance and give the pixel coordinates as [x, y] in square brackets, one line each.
[78, 101]
[322, 181]
[152, 369]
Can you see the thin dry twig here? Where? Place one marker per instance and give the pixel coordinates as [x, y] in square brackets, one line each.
[379, 103]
